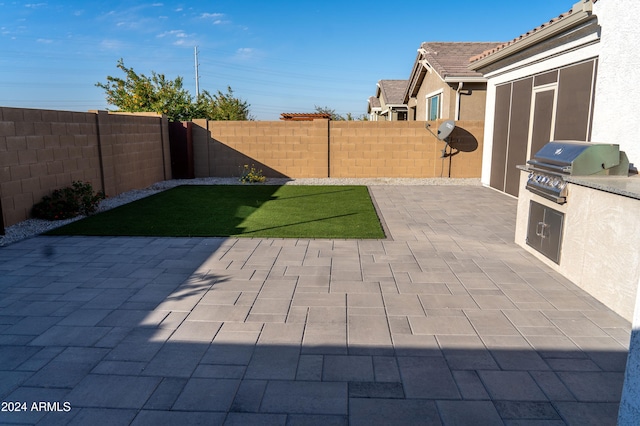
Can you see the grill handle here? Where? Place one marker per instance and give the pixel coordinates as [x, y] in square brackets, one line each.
[547, 166]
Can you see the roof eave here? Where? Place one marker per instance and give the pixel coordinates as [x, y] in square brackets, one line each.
[454, 79]
[581, 12]
[416, 72]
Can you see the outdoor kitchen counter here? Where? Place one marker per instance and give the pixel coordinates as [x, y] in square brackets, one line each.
[620, 185]
[596, 251]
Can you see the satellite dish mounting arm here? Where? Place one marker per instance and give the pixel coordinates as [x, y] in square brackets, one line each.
[444, 131]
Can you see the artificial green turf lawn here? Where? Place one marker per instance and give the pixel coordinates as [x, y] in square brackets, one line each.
[240, 211]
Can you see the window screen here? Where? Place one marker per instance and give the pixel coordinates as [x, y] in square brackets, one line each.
[433, 105]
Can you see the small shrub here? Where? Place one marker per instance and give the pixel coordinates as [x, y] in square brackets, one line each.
[65, 203]
[251, 175]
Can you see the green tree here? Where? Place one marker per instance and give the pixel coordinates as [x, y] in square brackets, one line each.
[140, 93]
[361, 117]
[326, 110]
[222, 106]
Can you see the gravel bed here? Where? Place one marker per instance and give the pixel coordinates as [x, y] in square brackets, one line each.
[32, 227]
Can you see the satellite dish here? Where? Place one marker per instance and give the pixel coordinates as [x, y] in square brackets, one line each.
[445, 129]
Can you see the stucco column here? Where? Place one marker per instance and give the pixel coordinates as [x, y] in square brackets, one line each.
[629, 413]
[615, 118]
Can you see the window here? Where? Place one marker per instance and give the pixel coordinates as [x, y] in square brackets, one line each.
[433, 107]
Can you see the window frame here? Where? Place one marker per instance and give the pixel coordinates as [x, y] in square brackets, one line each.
[430, 97]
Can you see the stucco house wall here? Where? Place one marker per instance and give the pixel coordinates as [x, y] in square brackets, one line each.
[473, 98]
[615, 117]
[560, 51]
[431, 85]
[612, 42]
[441, 68]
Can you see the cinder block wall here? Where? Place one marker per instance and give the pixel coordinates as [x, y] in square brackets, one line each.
[278, 148]
[382, 149]
[135, 150]
[43, 150]
[334, 149]
[403, 149]
[469, 137]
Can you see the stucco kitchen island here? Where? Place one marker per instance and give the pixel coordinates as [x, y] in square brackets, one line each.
[600, 253]
[599, 250]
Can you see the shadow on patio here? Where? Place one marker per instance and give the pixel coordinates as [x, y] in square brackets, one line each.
[448, 322]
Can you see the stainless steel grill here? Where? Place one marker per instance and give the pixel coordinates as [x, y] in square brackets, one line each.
[558, 159]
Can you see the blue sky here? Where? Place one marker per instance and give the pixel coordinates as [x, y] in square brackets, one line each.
[279, 56]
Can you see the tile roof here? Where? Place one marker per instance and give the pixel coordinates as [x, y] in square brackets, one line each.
[528, 34]
[452, 59]
[449, 60]
[392, 91]
[374, 102]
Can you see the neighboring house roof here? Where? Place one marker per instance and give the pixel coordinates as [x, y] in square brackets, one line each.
[392, 91]
[449, 60]
[578, 13]
[374, 103]
[304, 116]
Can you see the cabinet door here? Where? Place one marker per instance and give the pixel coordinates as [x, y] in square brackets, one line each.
[536, 218]
[552, 234]
[544, 233]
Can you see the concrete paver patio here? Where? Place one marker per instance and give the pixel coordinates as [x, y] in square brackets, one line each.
[445, 322]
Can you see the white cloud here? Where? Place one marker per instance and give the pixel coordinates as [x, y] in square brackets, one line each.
[133, 18]
[175, 33]
[246, 53]
[212, 15]
[180, 38]
[216, 18]
[44, 40]
[4, 31]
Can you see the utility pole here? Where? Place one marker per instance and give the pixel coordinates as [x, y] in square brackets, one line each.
[195, 51]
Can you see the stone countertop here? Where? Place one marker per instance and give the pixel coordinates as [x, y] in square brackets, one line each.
[628, 186]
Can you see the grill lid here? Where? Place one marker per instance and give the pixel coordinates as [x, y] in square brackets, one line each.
[579, 158]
